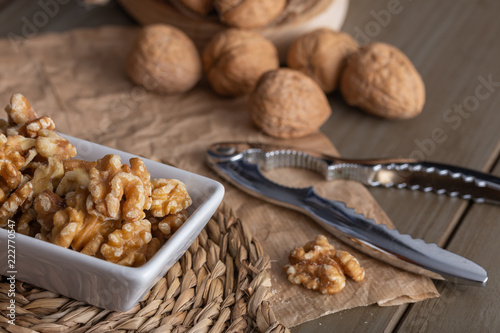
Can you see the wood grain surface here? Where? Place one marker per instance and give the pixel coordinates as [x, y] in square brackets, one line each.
[454, 45]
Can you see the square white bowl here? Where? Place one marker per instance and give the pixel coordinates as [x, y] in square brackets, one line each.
[96, 281]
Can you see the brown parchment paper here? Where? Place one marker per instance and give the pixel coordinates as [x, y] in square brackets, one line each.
[78, 78]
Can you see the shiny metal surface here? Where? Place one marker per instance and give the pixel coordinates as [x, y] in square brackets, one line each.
[240, 163]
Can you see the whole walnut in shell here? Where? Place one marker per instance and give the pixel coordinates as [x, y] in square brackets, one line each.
[381, 80]
[234, 60]
[202, 7]
[322, 54]
[249, 14]
[164, 60]
[288, 104]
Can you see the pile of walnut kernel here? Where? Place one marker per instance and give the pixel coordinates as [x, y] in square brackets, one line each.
[319, 266]
[104, 208]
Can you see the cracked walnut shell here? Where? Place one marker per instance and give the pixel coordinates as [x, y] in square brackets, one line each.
[322, 55]
[381, 80]
[288, 104]
[164, 59]
[234, 60]
[249, 14]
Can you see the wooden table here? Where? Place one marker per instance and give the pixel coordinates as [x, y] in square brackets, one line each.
[454, 46]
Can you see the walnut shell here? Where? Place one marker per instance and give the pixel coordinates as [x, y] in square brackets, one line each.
[235, 59]
[164, 60]
[288, 104]
[249, 14]
[322, 54]
[381, 80]
[202, 7]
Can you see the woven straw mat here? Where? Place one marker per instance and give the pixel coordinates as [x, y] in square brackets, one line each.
[221, 284]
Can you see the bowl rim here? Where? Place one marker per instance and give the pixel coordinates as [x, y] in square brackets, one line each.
[153, 266]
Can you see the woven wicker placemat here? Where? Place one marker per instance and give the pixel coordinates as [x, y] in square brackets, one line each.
[221, 284]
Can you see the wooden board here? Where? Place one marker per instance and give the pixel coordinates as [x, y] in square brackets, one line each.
[326, 13]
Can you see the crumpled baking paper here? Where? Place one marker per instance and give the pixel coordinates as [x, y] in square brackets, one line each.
[78, 78]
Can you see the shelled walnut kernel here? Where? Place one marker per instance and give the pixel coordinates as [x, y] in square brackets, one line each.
[319, 266]
[96, 208]
[164, 59]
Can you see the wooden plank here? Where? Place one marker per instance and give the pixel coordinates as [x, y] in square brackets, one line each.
[451, 44]
[438, 59]
[466, 308]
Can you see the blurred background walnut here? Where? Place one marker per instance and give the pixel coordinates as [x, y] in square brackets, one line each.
[15, 201]
[381, 80]
[201, 7]
[164, 59]
[249, 14]
[288, 104]
[322, 54]
[235, 59]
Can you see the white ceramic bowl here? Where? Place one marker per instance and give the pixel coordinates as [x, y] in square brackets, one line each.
[97, 281]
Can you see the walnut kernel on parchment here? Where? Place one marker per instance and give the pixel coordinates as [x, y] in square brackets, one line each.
[319, 266]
